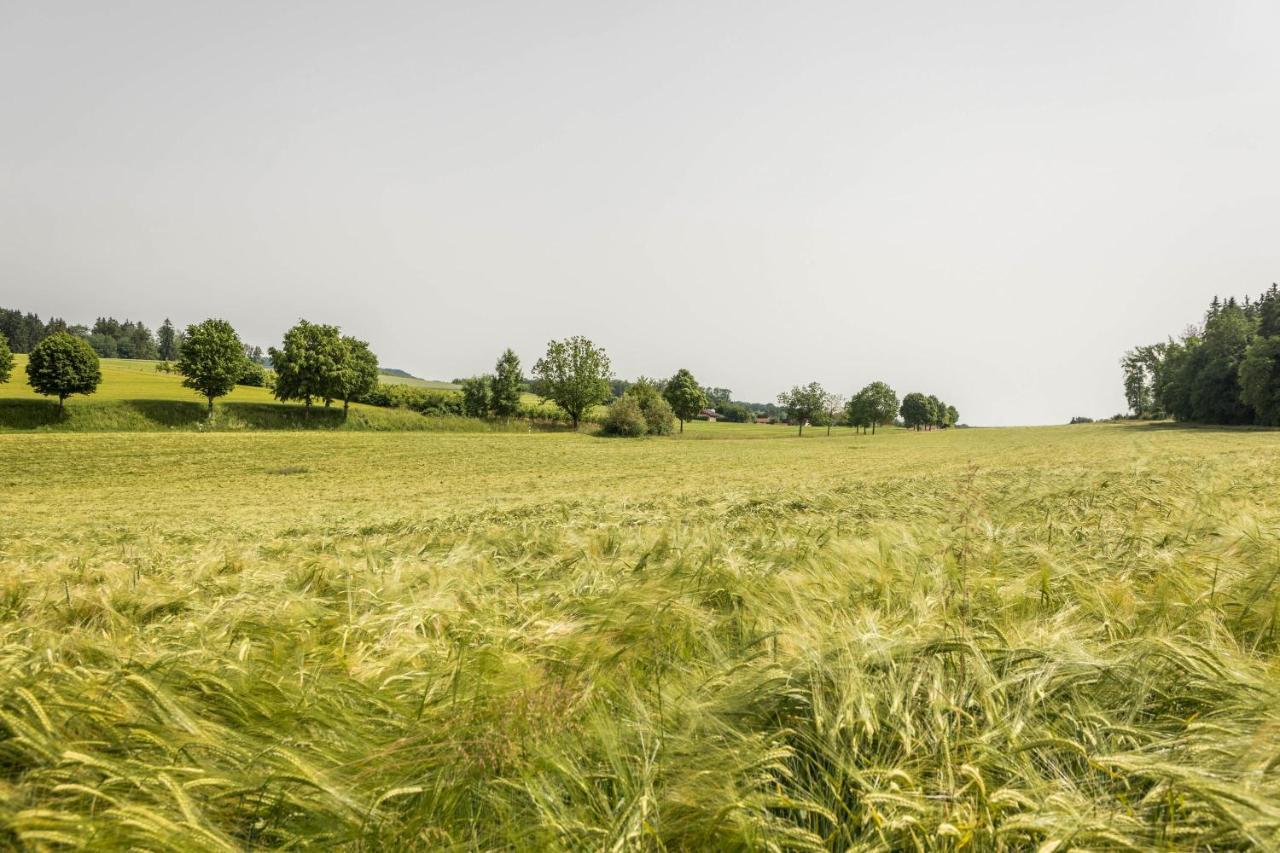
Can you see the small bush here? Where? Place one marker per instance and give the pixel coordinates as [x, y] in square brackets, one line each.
[625, 418]
[255, 376]
[658, 416]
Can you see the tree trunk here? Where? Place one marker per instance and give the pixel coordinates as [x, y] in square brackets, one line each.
[828, 429]
[346, 408]
[682, 426]
[802, 429]
[61, 399]
[873, 428]
[211, 406]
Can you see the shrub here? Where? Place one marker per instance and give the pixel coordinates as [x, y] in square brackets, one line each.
[625, 418]
[659, 419]
[476, 397]
[424, 401]
[254, 376]
[736, 413]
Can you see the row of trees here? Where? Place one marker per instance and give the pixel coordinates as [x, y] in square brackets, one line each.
[1225, 371]
[314, 362]
[108, 337]
[875, 405]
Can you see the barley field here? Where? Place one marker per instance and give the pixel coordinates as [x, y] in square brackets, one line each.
[1052, 639]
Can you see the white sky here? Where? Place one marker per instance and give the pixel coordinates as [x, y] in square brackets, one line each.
[984, 201]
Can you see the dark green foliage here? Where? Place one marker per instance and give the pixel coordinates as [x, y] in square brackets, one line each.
[1260, 379]
[875, 405]
[6, 361]
[104, 345]
[22, 331]
[1220, 374]
[717, 398]
[167, 341]
[357, 372]
[254, 376]
[685, 396]
[424, 401]
[804, 404]
[657, 412]
[916, 411]
[112, 339]
[736, 413]
[506, 386]
[308, 364]
[62, 365]
[476, 399]
[574, 374]
[212, 361]
[625, 418]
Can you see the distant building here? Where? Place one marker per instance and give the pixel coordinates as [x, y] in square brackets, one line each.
[708, 415]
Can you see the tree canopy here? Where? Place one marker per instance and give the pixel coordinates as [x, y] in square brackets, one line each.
[6, 360]
[61, 365]
[307, 364]
[804, 403]
[574, 374]
[357, 373]
[507, 385]
[212, 359]
[1222, 371]
[685, 396]
[875, 405]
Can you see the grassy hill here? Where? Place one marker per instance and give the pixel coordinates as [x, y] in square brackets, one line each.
[396, 379]
[134, 396]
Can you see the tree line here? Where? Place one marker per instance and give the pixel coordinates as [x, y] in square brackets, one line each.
[316, 363]
[874, 405]
[108, 337]
[1224, 371]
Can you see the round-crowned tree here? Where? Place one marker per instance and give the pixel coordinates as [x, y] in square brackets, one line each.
[62, 365]
[574, 374]
[212, 359]
[685, 396]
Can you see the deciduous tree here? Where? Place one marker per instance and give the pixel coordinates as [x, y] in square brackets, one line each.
[307, 363]
[916, 411]
[357, 372]
[685, 396]
[476, 397]
[212, 361]
[804, 403]
[62, 365]
[574, 374]
[832, 409]
[882, 404]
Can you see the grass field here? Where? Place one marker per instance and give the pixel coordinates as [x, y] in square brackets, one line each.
[134, 397]
[1057, 638]
[418, 383]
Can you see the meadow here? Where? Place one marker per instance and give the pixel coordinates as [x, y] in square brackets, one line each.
[1051, 638]
[135, 397]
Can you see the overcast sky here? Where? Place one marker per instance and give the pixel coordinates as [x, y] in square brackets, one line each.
[984, 201]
